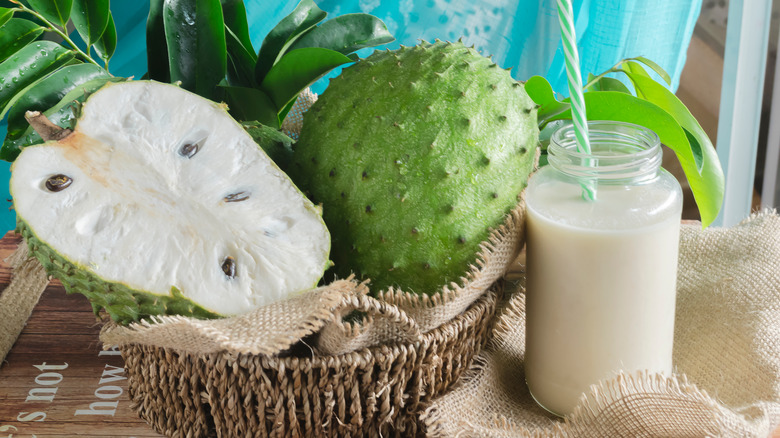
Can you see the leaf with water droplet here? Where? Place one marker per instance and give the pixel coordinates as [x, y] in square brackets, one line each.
[17, 33]
[47, 92]
[22, 73]
[197, 52]
[90, 17]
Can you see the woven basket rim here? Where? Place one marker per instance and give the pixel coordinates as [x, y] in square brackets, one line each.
[472, 314]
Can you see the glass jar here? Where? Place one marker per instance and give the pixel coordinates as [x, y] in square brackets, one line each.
[601, 275]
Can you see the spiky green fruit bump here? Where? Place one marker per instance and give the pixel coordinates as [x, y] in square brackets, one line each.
[415, 154]
[159, 203]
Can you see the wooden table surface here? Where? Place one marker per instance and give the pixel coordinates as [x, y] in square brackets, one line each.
[57, 381]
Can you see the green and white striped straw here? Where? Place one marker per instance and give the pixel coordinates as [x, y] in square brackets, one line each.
[566, 19]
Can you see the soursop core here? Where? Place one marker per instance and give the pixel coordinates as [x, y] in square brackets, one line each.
[159, 192]
[415, 154]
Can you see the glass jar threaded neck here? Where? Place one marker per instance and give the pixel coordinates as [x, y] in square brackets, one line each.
[620, 152]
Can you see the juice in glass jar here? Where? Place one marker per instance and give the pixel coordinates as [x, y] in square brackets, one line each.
[601, 275]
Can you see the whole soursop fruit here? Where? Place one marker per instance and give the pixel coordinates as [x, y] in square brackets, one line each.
[160, 203]
[415, 154]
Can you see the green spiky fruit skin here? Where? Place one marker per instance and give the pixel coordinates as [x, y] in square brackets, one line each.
[415, 154]
[123, 304]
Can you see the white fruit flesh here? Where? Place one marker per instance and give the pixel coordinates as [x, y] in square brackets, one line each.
[141, 213]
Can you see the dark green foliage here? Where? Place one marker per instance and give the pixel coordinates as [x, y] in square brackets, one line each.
[276, 145]
[209, 50]
[90, 17]
[197, 52]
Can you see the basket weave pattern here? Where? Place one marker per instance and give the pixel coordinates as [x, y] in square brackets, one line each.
[376, 391]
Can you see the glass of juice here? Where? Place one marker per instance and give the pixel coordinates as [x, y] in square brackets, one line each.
[601, 274]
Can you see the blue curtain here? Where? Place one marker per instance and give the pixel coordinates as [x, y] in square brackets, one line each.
[520, 34]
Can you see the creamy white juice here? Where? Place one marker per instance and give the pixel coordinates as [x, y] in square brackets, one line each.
[600, 285]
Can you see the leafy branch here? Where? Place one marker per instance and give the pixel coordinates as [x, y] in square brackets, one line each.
[40, 75]
[51, 27]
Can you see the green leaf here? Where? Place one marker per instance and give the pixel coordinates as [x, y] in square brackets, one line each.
[648, 89]
[542, 94]
[156, 45]
[5, 15]
[27, 66]
[50, 90]
[234, 14]
[707, 186]
[90, 18]
[305, 16]
[241, 54]
[705, 157]
[106, 45]
[15, 34]
[346, 34]
[56, 11]
[250, 104]
[197, 53]
[297, 70]
[61, 114]
[241, 62]
[656, 68]
[607, 84]
[282, 114]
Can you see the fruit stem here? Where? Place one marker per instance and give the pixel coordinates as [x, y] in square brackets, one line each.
[44, 127]
[615, 69]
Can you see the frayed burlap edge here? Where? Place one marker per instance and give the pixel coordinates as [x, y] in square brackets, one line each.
[621, 397]
[626, 396]
[19, 298]
[267, 330]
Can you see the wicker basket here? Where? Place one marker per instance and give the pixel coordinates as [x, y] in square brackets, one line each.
[376, 391]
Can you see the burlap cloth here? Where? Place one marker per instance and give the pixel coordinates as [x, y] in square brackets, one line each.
[19, 298]
[726, 356]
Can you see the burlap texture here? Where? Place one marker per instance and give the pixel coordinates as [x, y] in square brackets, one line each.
[293, 122]
[726, 356]
[395, 316]
[19, 297]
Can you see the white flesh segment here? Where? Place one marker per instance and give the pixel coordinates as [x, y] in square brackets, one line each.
[141, 214]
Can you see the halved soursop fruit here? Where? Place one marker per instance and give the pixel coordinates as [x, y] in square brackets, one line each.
[160, 203]
[415, 154]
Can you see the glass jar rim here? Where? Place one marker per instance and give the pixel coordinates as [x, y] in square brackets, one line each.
[619, 151]
[564, 137]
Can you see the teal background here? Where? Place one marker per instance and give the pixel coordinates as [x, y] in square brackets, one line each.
[520, 34]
